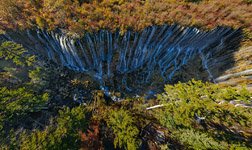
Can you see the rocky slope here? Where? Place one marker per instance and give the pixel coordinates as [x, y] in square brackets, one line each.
[241, 72]
[158, 54]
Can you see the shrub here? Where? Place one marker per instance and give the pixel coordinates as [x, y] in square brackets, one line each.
[15, 52]
[184, 100]
[124, 129]
[15, 106]
[195, 140]
[62, 133]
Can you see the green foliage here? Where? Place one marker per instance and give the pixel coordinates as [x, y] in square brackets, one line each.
[18, 100]
[22, 66]
[17, 103]
[195, 140]
[184, 100]
[15, 106]
[61, 133]
[230, 93]
[124, 129]
[181, 103]
[37, 77]
[239, 147]
[248, 1]
[16, 53]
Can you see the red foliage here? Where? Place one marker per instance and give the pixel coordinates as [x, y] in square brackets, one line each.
[90, 139]
[76, 17]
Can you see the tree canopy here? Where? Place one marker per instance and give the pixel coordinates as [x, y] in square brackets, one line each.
[77, 16]
[38, 109]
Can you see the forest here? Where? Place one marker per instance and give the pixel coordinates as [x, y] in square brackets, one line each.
[126, 74]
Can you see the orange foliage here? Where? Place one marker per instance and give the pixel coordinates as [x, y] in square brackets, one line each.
[90, 139]
[123, 14]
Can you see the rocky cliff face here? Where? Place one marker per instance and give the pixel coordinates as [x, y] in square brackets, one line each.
[158, 54]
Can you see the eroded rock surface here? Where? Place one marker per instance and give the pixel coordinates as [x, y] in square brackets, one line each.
[157, 54]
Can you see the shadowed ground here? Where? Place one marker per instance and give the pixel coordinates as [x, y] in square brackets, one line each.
[157, 55]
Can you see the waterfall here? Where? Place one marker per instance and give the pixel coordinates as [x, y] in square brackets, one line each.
[104, 54]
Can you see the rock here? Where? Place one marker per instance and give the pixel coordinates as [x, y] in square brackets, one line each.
[166, 50]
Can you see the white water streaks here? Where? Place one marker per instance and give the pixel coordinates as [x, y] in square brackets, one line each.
[104, 54]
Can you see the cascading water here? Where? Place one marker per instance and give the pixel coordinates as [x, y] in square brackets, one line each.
[105, 55]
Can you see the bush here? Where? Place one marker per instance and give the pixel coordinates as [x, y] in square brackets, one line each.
[124, 129]
[185, 102]
[15, 52]
[15, 106]
[62, 133]
[195, 140]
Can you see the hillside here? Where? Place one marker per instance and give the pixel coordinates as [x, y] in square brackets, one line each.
[125, 74]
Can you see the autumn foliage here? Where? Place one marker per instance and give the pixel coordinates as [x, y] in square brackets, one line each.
[37, 111]
[90, 139]
[77, 16]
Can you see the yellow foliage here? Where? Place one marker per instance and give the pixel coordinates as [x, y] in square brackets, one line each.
[78, 16]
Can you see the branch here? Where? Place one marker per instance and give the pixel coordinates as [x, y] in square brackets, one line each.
[153, 107]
